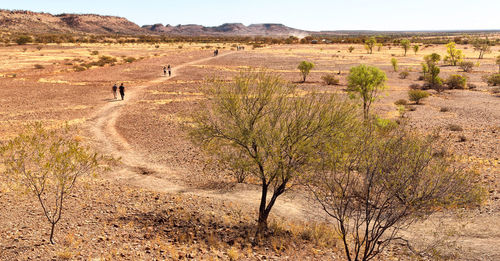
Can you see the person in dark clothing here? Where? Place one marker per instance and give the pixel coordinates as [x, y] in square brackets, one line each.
[122, 91]
[114, 90]
[165, 70]
[169, 70]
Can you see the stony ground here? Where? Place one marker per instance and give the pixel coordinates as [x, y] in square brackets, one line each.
[149, 216]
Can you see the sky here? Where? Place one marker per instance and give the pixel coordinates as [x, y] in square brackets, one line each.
[315, 15]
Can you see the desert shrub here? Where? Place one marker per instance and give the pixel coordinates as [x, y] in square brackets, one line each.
[417, 95]
[39, 66]
[374, 184]
[78, 68]
[455, 127]
[444, 109]
[456, 81]
[404, 74]
[180, 47]
[39, 48]
[471, 86]
[23, 39]
[394, 63]
[462, 138]
[247, 115]
[420, 78]
[364, 83]
[48, 163]
[350, 49]
[401, 102]
[493, 79]
[466, 66]
[330, 79]
[495, 90]
[433, 78]
[129, 60]
[305, 67]
[94, 53]
[415, 86]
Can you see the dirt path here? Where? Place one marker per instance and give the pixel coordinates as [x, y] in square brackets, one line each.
[136, 170]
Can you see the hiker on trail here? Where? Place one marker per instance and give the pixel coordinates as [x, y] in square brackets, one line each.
[122, 91]
[165, 71]
[169, 70]
[216, 52]
[114, 90]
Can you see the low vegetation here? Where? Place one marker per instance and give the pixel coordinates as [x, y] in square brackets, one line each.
[417, 95]
[330, 79]
[48, 164]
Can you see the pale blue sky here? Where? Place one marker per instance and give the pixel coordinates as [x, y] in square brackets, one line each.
[305, 14]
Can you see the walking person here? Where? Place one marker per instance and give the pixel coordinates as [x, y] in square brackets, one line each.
[169, 70]
[114, 90]
[122, 91]
[165, 71]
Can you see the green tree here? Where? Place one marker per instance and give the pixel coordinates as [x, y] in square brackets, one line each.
[454, 56]
[305, 67]
[432, 58]
[375, 183]
[262, 117]
[416, 48]
[370, 43]
[433, 78]
[394, 63]
[48, 163]
[405, 44]
[483, 46]
[365, 82]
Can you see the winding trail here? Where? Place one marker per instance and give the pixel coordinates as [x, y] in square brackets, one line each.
[134, 169]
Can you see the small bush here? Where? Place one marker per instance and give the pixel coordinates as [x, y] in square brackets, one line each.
[39, 66]
[415, 86]
[493, 79]
[454, 127]
[78, 68]
[401, 102]
[456, 81]
[94, 53]
[23, 39]
[420, 78]
[444, 109]
[404, 74]
[394, 63]
[417, 95]
[471, 86]
[129, 60]
[330, 79]
[467, 66]
[462, 138]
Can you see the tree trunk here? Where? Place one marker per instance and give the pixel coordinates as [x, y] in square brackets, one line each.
[52, 233]
[263, 214]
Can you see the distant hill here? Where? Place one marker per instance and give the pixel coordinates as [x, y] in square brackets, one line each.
[32, 22]
[231, 29]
